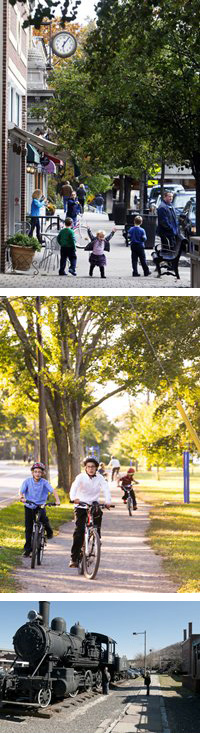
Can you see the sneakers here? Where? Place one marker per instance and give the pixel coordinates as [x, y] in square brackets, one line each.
[73, 564]
[49, 534]
[73, 272]
[136, 275]
[26, 554]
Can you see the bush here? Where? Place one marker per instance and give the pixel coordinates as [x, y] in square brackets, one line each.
[23, 240]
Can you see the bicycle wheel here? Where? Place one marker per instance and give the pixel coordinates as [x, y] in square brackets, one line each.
[80, 564]
[40, 547]
[130, 506]
[34, 546]
[81, 236]
[92, 559]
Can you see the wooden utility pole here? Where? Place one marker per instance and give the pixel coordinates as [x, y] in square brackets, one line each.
[41, 390]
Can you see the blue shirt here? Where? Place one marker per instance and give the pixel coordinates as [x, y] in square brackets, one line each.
[36, 492]
[137, 235]
[35, 207]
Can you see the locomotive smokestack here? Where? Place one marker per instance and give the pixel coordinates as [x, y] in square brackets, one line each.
[44, 612]
[189, 629]
[184, 635]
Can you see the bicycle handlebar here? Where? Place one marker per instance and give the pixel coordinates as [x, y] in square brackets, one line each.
[44, 504]
[104, 506]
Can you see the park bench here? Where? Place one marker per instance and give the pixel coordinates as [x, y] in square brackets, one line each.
[165, 257]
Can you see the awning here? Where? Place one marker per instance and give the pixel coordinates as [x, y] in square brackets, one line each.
[40, 143]
[50, 168]
[32, 154]
[55, 159]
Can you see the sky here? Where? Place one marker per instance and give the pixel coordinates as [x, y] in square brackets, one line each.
[163, 620]
[86, 9]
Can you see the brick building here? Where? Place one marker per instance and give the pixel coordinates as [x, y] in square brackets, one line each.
[17, 139]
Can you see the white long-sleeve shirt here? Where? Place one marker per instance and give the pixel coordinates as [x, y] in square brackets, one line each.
[87, 489]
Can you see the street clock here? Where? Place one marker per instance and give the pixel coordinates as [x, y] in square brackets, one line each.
[63, 44]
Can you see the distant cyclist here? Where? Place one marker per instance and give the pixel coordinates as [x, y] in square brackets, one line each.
[126, 481]
[86, 489]
[35, 489]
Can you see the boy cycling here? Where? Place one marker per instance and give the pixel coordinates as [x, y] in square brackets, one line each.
[86, 490]
[35, 489]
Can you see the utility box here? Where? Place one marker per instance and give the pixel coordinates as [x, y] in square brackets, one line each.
[194, 252]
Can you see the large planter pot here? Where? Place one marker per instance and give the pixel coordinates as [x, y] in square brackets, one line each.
[21, 257]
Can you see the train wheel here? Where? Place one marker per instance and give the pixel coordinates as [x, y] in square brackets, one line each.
[44, 697]
[88, 680]
[34, 547]
[72, 695]
[98, 682]
[92, 559]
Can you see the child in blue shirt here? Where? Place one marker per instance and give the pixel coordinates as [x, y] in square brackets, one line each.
[35, 489]
[38, 200]
[137, 236]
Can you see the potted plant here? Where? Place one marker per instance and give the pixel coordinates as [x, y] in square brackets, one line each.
[22, 248]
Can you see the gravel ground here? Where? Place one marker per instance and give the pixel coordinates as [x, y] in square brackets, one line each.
[86, 719]
[127, 562]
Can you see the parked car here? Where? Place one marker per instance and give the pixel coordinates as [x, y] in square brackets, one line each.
[133, 673]
[155, 191]
[179, 201]
[187, 219]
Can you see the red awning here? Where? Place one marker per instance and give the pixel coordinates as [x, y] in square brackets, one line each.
[54, 159]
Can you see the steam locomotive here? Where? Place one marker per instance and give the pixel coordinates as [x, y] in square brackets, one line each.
[51, 663]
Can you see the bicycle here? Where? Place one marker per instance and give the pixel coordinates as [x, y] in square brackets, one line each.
[90, 554]
[80, 231]
[131, 505]
[38, 539]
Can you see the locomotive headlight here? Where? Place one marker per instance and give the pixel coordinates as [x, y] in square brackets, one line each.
[32, 615]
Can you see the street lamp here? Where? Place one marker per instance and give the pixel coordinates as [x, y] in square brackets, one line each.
[145, 646]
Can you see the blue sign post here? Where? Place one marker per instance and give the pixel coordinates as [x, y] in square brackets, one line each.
[186, 476]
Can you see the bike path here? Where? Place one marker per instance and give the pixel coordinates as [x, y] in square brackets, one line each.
[127, 564]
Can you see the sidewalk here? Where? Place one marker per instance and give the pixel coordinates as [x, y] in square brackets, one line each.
[118, 269]
[143, 714]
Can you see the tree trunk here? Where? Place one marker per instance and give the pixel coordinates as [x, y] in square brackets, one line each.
[121, 187]
[127, 191]
[198, 202]
[74, 439]
[162, 179]
[60, 430]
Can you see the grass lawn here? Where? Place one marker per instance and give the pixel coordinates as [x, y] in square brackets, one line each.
[174, 530]
[12, 537]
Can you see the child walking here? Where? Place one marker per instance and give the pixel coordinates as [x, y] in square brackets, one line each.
[67, 242]
[98, 244]
[137, 236]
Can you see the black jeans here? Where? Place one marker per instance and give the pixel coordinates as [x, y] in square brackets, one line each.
[78, 536]
[35, 223]
[29, 518]
[138, 251]
[169, 239]
[132, 493]
[115, 470]
[67, 253]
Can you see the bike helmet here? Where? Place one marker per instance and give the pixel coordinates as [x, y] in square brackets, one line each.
[38, 465]
[93, 459]
[131, 470]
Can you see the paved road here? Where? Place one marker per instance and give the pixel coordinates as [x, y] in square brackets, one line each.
[128, 564]
[118, 270]
[11, 477]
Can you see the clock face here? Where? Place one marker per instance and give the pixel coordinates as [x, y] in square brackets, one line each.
[63, 44]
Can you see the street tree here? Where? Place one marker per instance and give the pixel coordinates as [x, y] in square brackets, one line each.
[41, 10]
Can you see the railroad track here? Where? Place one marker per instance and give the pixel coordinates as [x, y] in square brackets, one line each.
[55, 708]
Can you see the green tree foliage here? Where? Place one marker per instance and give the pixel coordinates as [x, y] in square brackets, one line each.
[47, 9]
[89, 341]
